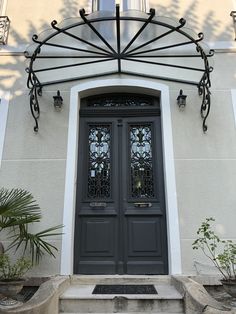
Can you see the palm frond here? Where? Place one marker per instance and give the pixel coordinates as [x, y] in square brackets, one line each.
[35, 243]
[17, 207]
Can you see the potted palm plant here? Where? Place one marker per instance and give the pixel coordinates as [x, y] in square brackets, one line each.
[222, 253]
[18, 210]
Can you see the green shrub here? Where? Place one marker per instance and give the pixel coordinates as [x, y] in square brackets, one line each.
[13, 271]
[222, 253]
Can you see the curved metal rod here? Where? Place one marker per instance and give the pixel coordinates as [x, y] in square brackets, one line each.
[70, 48]
[165, 64]
[182, 23]
[72, 65]
[82, 14]
[204, 91]
[54, 23]
[152, 14]
[159, 48]
[34, 106]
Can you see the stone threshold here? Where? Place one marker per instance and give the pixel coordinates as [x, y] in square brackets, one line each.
[84, 291]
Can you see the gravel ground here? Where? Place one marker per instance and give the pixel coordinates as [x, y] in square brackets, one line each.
[220, 295]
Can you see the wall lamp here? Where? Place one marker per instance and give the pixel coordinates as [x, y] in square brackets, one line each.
[181, 100]
[58, 101]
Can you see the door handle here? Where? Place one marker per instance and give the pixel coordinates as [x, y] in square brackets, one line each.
[142, 205]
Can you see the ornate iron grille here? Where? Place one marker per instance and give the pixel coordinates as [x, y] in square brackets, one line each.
[120, 101]
[141, 165]
[99, 162]
[4, 29]
[118, 43]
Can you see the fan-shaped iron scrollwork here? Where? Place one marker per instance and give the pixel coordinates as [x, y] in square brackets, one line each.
[104, 38]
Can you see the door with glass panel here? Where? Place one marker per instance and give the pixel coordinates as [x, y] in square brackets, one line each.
[120, 224]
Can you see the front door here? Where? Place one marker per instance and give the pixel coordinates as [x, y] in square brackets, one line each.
[120, 225]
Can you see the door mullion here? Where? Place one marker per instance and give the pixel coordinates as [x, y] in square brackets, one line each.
[120, 264]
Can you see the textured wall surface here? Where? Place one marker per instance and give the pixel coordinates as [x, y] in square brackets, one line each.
[205, 164]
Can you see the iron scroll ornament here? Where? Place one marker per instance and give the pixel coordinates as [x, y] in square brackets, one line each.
[98, 50]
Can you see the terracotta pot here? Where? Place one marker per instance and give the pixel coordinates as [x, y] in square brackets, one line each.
[230, 287]
[11, 288]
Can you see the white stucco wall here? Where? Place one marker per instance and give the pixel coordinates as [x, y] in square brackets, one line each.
[205, 164]
[4, 99]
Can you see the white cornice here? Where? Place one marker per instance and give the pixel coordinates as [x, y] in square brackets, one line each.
[218, 46]
[8, 50]
[222, 46]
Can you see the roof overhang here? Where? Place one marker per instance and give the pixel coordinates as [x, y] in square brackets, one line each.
[107, 43]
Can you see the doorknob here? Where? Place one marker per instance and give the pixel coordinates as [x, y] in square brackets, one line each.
[142, 205]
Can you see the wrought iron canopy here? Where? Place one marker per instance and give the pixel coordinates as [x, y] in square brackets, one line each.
[106, 43]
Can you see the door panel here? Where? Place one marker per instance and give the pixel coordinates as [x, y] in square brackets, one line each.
[120, 222]
[103, 231]
[140, 245]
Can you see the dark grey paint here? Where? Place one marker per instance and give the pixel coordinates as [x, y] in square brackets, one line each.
[120, 238]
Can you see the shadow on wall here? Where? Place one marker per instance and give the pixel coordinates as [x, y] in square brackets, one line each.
[12, 69]
[210, 25]
[12, 72]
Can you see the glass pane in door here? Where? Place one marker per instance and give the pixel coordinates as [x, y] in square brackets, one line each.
[99, 162]
[141, 163]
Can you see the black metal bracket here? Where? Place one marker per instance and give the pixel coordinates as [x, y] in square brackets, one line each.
[133, 51]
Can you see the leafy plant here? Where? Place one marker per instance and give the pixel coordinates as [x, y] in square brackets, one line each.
[222, 253]
[18, 210]
[9, 271]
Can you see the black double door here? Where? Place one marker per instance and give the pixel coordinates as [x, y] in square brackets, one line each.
[120, 225]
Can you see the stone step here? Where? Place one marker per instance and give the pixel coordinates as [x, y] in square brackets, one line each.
[122, 306]
[78, 298]
[120, 279]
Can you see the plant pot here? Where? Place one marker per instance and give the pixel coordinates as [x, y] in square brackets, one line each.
[230, 287]
[10, 288]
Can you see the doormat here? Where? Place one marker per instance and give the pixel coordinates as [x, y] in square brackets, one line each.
[124, 289]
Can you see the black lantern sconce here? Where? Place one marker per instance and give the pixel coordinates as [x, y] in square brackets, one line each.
[58, 101]
[181, 100]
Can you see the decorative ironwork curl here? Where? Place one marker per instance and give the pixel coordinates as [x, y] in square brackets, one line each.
[204, 91]
[34, 106]
[128, 53]
[54, 23]
[182, 21]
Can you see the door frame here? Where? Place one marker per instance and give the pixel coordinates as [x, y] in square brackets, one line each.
[146, 86]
